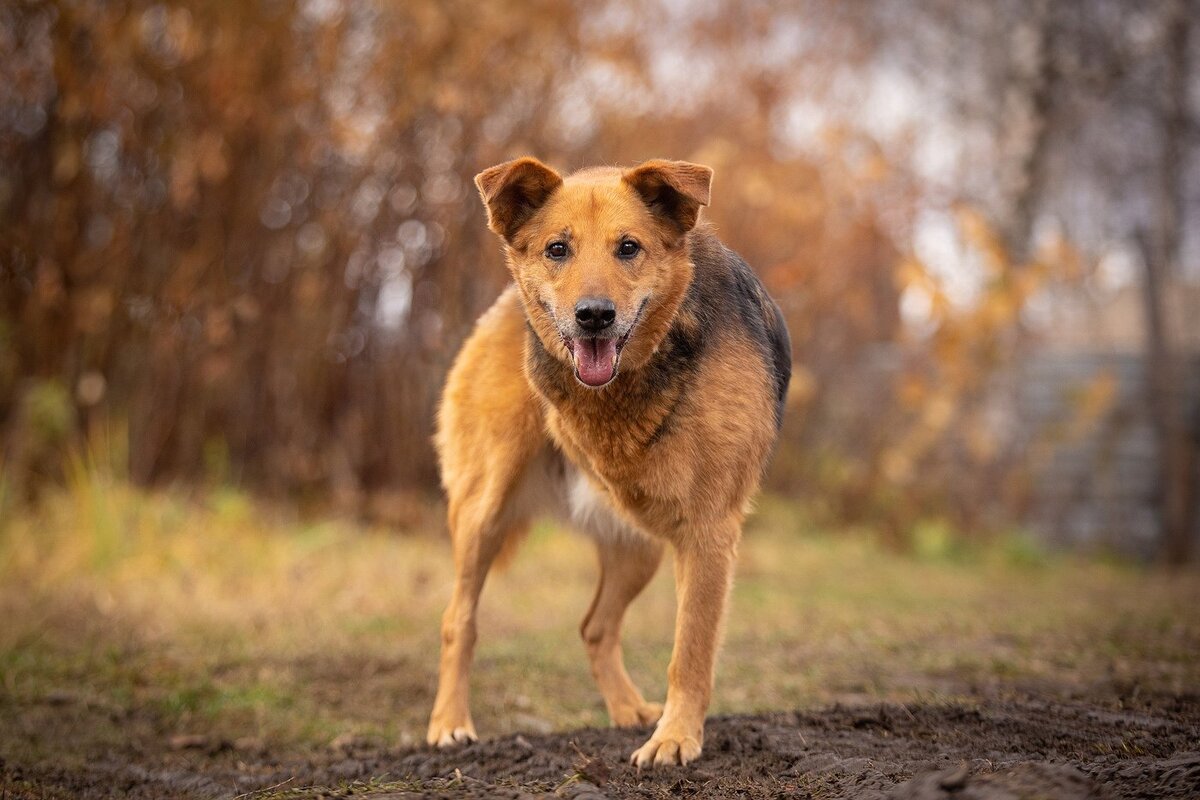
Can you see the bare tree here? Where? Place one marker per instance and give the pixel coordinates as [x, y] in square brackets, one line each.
[1160, 245]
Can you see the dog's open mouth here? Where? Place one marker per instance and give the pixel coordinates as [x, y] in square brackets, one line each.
[596, 359]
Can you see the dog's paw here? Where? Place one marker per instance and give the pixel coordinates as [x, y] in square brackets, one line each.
[666, 749]
[635, 716]
[451, 735]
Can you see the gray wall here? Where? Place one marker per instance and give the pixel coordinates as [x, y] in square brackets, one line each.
[1094, 485]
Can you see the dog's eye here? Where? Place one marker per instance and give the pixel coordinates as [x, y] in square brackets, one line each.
[628, 248]
[557, 250]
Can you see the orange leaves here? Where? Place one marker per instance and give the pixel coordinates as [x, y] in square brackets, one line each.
[182, 186]
[924, 289]
[212, 161]
[933, 441]
[1090, 402]
[48, 289]
[982, 240]
[231, 191]
[92, 309]
[66, 162]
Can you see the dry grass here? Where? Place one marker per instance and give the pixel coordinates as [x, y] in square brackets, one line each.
[131, 617]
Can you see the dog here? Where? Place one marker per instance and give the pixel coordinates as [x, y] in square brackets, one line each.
[632, 378]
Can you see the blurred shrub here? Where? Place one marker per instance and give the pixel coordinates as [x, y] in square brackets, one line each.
[49, 414]
[41, 428]
[249, 229]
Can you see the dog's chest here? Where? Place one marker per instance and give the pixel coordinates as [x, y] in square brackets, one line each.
[610, 488]
[592, 510]
[615, 435]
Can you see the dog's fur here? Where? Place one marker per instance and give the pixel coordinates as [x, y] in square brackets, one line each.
[668, 451]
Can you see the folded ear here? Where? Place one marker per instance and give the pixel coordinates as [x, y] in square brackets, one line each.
[674, 190]
[514, 191]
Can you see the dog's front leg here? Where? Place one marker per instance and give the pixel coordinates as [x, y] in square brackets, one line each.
[704, 564]
[477, 540]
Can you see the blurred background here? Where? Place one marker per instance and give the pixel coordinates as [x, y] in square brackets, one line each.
[240, 246]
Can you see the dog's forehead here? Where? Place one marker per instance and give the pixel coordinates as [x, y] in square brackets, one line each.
[595, 176]
[595, 198]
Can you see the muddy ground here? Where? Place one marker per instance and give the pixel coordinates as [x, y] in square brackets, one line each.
[1012, 747]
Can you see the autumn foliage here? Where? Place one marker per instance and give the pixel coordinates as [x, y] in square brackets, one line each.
[245, 233]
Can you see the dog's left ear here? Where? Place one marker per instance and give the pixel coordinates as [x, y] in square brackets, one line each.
[514, 191]
[674, 190]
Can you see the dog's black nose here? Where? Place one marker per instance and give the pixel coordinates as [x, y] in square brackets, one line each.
[595, 313]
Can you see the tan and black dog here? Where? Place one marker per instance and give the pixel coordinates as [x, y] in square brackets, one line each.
[632, 379]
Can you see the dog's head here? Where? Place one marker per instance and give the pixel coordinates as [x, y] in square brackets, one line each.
[600, 257]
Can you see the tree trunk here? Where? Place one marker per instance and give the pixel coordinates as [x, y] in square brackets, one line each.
[1023, 177]
[1165, 377]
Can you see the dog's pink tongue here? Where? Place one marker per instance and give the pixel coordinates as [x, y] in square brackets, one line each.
[595, 360]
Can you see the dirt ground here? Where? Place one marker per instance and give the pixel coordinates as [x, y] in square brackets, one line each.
[155, 647]
[1011, 747]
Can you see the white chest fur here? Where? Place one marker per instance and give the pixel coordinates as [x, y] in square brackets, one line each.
[549, 489]
[590, 510]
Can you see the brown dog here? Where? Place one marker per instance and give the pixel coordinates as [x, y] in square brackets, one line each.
[633, 379]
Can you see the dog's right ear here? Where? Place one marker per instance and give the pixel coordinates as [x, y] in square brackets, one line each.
[514, 191]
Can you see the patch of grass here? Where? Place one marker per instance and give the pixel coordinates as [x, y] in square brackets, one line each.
[131, 617]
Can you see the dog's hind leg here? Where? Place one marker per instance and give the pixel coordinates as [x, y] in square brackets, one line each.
[627, 563]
